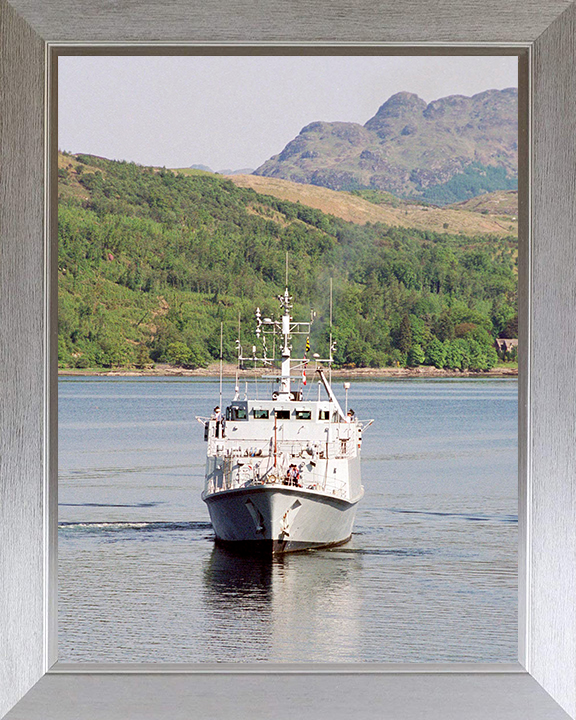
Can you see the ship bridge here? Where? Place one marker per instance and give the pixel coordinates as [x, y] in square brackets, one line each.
[261, 440]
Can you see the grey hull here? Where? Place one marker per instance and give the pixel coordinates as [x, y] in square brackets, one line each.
[280, 519]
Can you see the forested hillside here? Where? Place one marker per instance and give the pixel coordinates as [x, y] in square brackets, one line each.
[151, 262]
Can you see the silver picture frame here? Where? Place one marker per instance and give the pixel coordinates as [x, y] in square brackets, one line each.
[543, 682]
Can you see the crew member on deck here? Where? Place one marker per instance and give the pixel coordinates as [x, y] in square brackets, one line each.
[217, 415]
[293, 476]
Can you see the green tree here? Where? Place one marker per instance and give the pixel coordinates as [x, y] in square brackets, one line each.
[454, 354]
[481, 357]
[65, 358]
[415, 356]
[435, 353]
[114, 352]
[199, 357]
[142, 359]
[491, 358]
[510, 330]
[177, 353]
[445, 326]
[405, 335]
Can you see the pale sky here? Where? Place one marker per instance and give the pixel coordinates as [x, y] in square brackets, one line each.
[236, 112]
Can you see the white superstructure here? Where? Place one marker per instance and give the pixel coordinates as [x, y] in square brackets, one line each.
[283, 474]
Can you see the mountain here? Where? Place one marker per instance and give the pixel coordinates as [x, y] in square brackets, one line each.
[445, 151]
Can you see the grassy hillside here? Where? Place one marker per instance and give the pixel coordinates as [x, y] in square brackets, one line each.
[151, 262]
[376, 206]
[502, 204]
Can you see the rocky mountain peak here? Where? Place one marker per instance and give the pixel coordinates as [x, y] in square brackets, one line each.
[410, 147]
[400, 105]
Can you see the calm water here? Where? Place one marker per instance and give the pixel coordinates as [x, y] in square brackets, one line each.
[429, 576]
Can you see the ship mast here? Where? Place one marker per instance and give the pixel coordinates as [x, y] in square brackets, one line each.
[285, 327]
[285, 375]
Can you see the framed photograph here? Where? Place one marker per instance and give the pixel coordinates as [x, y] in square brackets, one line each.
[542, 683]
[388, 534]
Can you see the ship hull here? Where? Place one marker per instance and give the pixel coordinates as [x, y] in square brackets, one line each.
[278, 520]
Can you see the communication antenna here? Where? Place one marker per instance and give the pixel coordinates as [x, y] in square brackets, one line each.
[221, 360]
[255, 372]
[286, 269]
[238, 341]
[330, 364]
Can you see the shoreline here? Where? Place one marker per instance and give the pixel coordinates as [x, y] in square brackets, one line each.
[229, 371]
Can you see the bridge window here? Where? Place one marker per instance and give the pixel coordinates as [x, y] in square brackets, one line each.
[324, 415]
[282, 414]
[236, 413]
[261, 414]
[303, 414]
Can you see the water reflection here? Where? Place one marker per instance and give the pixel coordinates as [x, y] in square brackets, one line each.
[293, 608]
[229, 575]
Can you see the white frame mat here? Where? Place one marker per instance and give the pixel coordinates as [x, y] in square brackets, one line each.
[33, 686]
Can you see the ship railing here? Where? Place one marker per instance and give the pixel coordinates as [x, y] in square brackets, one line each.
[304, 449]
[339, 449]
[336, 487]
[248, 449]
[233, 481]
[235, 475]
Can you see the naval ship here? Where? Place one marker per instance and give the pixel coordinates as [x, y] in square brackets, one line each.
[283, 473]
